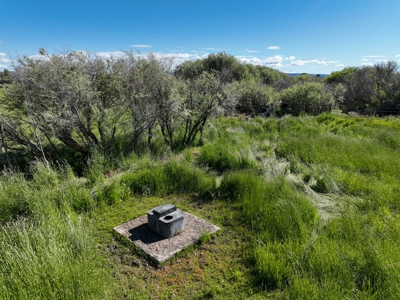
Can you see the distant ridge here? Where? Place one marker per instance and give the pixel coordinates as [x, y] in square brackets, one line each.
[299, 74]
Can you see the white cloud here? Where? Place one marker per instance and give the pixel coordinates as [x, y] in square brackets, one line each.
[339, 65]
[38, 56]
[179, 58]
[106, 55]
[213, 49]
[367, 64]
[373, 56]
[4, 59]
[275, 61]
[299, 62]
[291, 58]
[140, 46]
[251, 51]
[364, 59]
[397, 55]
[274, 48]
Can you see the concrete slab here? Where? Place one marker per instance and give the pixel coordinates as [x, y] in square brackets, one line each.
[159, 248]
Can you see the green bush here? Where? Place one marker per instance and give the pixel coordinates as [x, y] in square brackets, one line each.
[309, 97]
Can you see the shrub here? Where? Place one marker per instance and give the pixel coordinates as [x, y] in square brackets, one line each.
[309, 97]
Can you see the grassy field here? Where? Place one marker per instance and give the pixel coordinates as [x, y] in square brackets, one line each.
[309, 208]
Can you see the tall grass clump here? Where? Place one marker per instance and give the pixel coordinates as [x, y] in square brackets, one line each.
[14, 197]
[173, 177]
[58, 189]
[271, 265]
[274, 209]
[54, 258]
[111, 192]
[228, 154]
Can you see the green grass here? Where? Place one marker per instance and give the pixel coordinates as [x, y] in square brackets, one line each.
[308, 209]
[48, 251]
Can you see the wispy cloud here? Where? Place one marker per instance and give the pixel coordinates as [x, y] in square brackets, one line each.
[106, 55]
[213, 49]
[275, 61]
[339, 65]
[140, 46]
[251, 51]
[364, 59]
[373, 56]
[274, 48]
[397, 55]
[4, 59]
[299, 62]
[367, 64]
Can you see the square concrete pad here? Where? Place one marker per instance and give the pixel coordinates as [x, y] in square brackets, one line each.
[158, 247]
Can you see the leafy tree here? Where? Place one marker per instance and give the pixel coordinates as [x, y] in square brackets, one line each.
[84, 103]
[340, 76]
[73, 100]
[5, 75]
[229, 69]
[369, 88]
[51, 98]
[203, 98]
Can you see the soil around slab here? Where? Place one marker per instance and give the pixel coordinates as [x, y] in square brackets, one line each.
[159, 248]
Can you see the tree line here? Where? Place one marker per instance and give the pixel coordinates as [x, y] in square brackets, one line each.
[70, 100]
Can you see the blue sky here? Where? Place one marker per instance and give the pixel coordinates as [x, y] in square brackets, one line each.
[312, 36]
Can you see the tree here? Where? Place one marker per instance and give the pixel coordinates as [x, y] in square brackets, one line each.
[5, 75]
[229, 69]
[68, 98]
[147, 88]
[203, 98]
